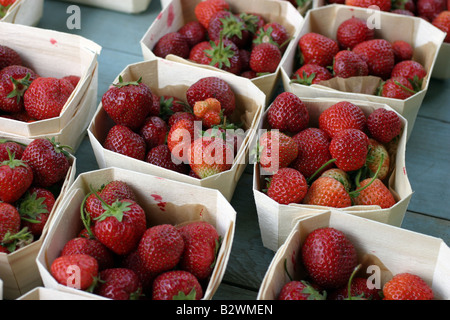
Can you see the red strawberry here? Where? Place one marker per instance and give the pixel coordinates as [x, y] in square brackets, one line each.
[402, 50]
[13, 147]
[407, 286]
[209, 112]
[318, 49]
[204, 10]
[119, 284]
[349, 147]
[288, 113]
[35, 208]
[201, 244]
[404, 12]
[442, 22]
[222, 54]
[230, 26]
[180, 137]
[287, 186]
[76, 271]
[379, 56]
[194, 33]
[408, 5]
[132, 261]
[384, 5]
[300, 290]
[272, 32]
[46, 97]
[154, 131]
[276, 150]
[162, 157]
[265, 58]
[91, 247]
[358, 289]
[342, 115]
[177, 285]
[172, 43]
[198, 55]
[329, 257]
[339, 175]
[411, 70]
[244, 57]
[353, 31]
[128, 103]
[180, 115]
[328, 192]
[429, 9]
[16, 176]
[9, 220]
[121, 139]
[253, 21]
[378, 153]
[9, 57]
[74, 80]
[309, 74]
[349, 64]
[160, 248]
[397, 88]
[169, 105]
[384, 125]
[376, 194]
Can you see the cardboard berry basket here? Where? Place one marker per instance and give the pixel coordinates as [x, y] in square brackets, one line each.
[392, 249]
[171, 78]
[276, 220]
[52, 54]
[25, 12]
[18, 269]
[126, 6]
[178, 12]
[163, 200]
[423, 36]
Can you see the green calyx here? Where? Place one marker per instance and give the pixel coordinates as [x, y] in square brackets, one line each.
[19, 87]
[231, 26]
[13, 162]
[116, 209]
[305, 79]
[31, 207]
[4, 10]
[182, 296]
[18, 240]
[60, 148]
[265, 36]
[220, 54]
[166, 105]
[250, 21]
[122, 84]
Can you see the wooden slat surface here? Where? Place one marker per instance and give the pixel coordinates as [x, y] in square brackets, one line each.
[427, 158]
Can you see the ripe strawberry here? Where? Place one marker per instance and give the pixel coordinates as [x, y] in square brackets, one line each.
[16, 176]
[309, 74]
[169, 105]
[353, 31]
[201, 244]
[409, 5]
[328, 192]
[329, 257]
[318, 49]
[300, 290]
[46, 97]
[376, 194]
[14, 81]
[230, 26]
[154, 131]
[272, 32]
[172, 43]
[265, 58]
[288, 113]
[429, 9]
[209, 112]
[177, 285]
[223, 54]
[287, 186]
[244, 57]
[119, 284]
[35, 208]
[83, 266]
[128, 103]
[402, 50]
[132, 261]
[74, 80]
[9, 220]
[349, 64]
[379, 56]
[198, 55]
[13, 147]
[397, 88]
[407, 286]
[339, 175]
[313, 151]
[404, 12]
[160, 248]
[378, 151]
[384, 5]
[194, 32]
[162, 157]
[276, 150]
[411, 70]
[180, 115]
[442, 22]
[253, 21]
[349, 147]
[340, 116]
[9, 57]
[204, 10]
[121, 139]
[22, 116]
[212, 87]
[180, 137]
[384, 125]
[91, 247]
[358, 289]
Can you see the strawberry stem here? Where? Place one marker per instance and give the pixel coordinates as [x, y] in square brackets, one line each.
[404, 88]
[320, 169]
[356, 192]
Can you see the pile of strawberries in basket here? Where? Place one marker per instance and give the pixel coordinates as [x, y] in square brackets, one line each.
[344, 161]
[121, 257]
[26, 96]
[355, 52]
[241, 43]
[30, 180]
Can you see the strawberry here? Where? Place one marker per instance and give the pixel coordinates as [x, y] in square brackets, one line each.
[155, 107]
[313, 151]
[378, 151]
[132, 261]
[172, 43]
[16, 176]
[287, 186]
[121, 139]
[265, 58]
[13, 147]
[222, 53]
[272, 32]
[162, 157]
[177, 285]
[376, 194]
[379, 56]
[318, 49]
[329, 257]
[397, 88]
[198, 54]
[160, 248]
[209, 112]
[288, 113]
[119, 284]
[154, 131]
[128, 103]
[402, 50]
[14, 81]
[276, 150]
[349, 64]
[35, 208]
[180, 115]
[328, 192]
[253, 21]
[194, 32]
[353, 31]
[91, 247]
[342, 115]
[442, 22]
[429, 9]
[404, 12]
[349, 147]
[180, 137]
[212, 87]
[409, 5]
[339, 175]
[300, 290]
[204, 10]
[411, 70]
[244, 57]
[230, 26]
[407, 286]
[9, 220]
[359, 290]
[384, 125]
[76, 271]
[309, 74]
[201, 244]
[384, 5]
[73, 79]
[9, 57]
[169, 105]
